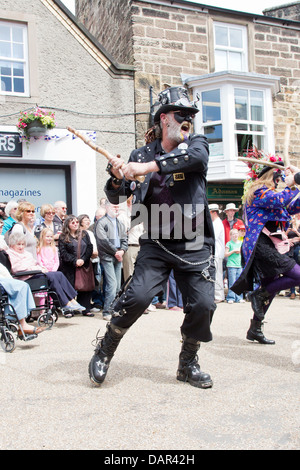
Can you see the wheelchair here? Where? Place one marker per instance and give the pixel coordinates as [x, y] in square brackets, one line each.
[10, 327]
[39, 287]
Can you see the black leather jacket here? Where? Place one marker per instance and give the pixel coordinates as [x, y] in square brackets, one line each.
[185, 168]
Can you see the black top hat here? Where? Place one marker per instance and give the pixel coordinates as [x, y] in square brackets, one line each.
[174, 99]
[267, 168]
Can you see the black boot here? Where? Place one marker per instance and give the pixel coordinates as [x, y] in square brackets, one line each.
[255, 333]
[188, 368]
[105, 349]
[259, 299]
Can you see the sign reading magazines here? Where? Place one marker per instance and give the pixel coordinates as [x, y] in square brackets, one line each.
[10, 146]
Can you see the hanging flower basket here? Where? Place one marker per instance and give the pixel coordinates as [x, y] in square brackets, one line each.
[35, 123]
[35, 129]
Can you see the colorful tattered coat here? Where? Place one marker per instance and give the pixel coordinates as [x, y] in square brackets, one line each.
[268, 205]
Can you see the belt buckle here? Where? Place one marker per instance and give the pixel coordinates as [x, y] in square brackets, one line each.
[178, 176]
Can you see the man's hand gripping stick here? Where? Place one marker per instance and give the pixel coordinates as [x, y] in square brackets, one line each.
[97, 149]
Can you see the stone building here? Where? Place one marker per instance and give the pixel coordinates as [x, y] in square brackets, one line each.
[244, 67]
[48, 59]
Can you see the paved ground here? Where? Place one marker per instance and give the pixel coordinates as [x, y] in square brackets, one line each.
[47, 401]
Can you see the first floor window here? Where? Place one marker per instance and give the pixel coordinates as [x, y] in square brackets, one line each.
[13, 58]
[230, 47]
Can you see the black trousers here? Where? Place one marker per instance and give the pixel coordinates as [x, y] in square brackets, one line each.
[152, 269]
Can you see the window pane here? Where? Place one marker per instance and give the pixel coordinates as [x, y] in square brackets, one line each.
[259, 141]
[221, 35]
[236, 38]
[220, 60]
[18, 85]
[235, 61]
[5, 68]
[256, 128]
[241, 104]
[18, 51]
[244, 143]
[211, 106]
[6, 84]
[257, 110]
[4, 33]
[18, 70]
[213, 133]
[241, 127]
[5, 49]
[17, 34]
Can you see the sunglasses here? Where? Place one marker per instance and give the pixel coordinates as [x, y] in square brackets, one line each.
[30, 212]
[184, 114]
[50, 213]
[74, 222]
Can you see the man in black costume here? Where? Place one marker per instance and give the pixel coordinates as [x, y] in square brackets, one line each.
[174, 165]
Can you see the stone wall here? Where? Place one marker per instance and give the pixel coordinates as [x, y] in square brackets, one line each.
[290, 11]
[109, 21]
[277, 52]
[166, 43]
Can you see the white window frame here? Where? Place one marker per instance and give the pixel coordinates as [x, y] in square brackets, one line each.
[250, 122]
[223, 161]
[24, 60]
[243, 50]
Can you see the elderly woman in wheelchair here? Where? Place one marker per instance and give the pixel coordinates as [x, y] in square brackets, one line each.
[16, 303]
[22, 260]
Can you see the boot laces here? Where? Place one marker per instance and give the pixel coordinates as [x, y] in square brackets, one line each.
[97, 341]
[107, 343]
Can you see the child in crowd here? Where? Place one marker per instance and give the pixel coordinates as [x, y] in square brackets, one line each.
[234, 264]
[47, 252]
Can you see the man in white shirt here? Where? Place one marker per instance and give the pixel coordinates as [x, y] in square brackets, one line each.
[219, 251]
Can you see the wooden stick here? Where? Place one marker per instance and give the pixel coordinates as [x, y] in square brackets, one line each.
[97, 149]
[261, 162]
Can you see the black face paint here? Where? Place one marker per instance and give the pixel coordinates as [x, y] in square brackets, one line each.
[181, 116]
[277, 176]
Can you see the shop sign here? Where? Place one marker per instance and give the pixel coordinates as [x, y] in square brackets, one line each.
[10, 145]
[225, 192]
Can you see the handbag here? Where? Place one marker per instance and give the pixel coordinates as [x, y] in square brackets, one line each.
[84, 275]
[280, 241]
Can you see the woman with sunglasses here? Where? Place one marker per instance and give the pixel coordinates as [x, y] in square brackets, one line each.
[47, 213]
[25, 216]
[68, 242]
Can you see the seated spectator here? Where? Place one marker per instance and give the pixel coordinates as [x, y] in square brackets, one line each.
[22, 260]
[21, 298]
